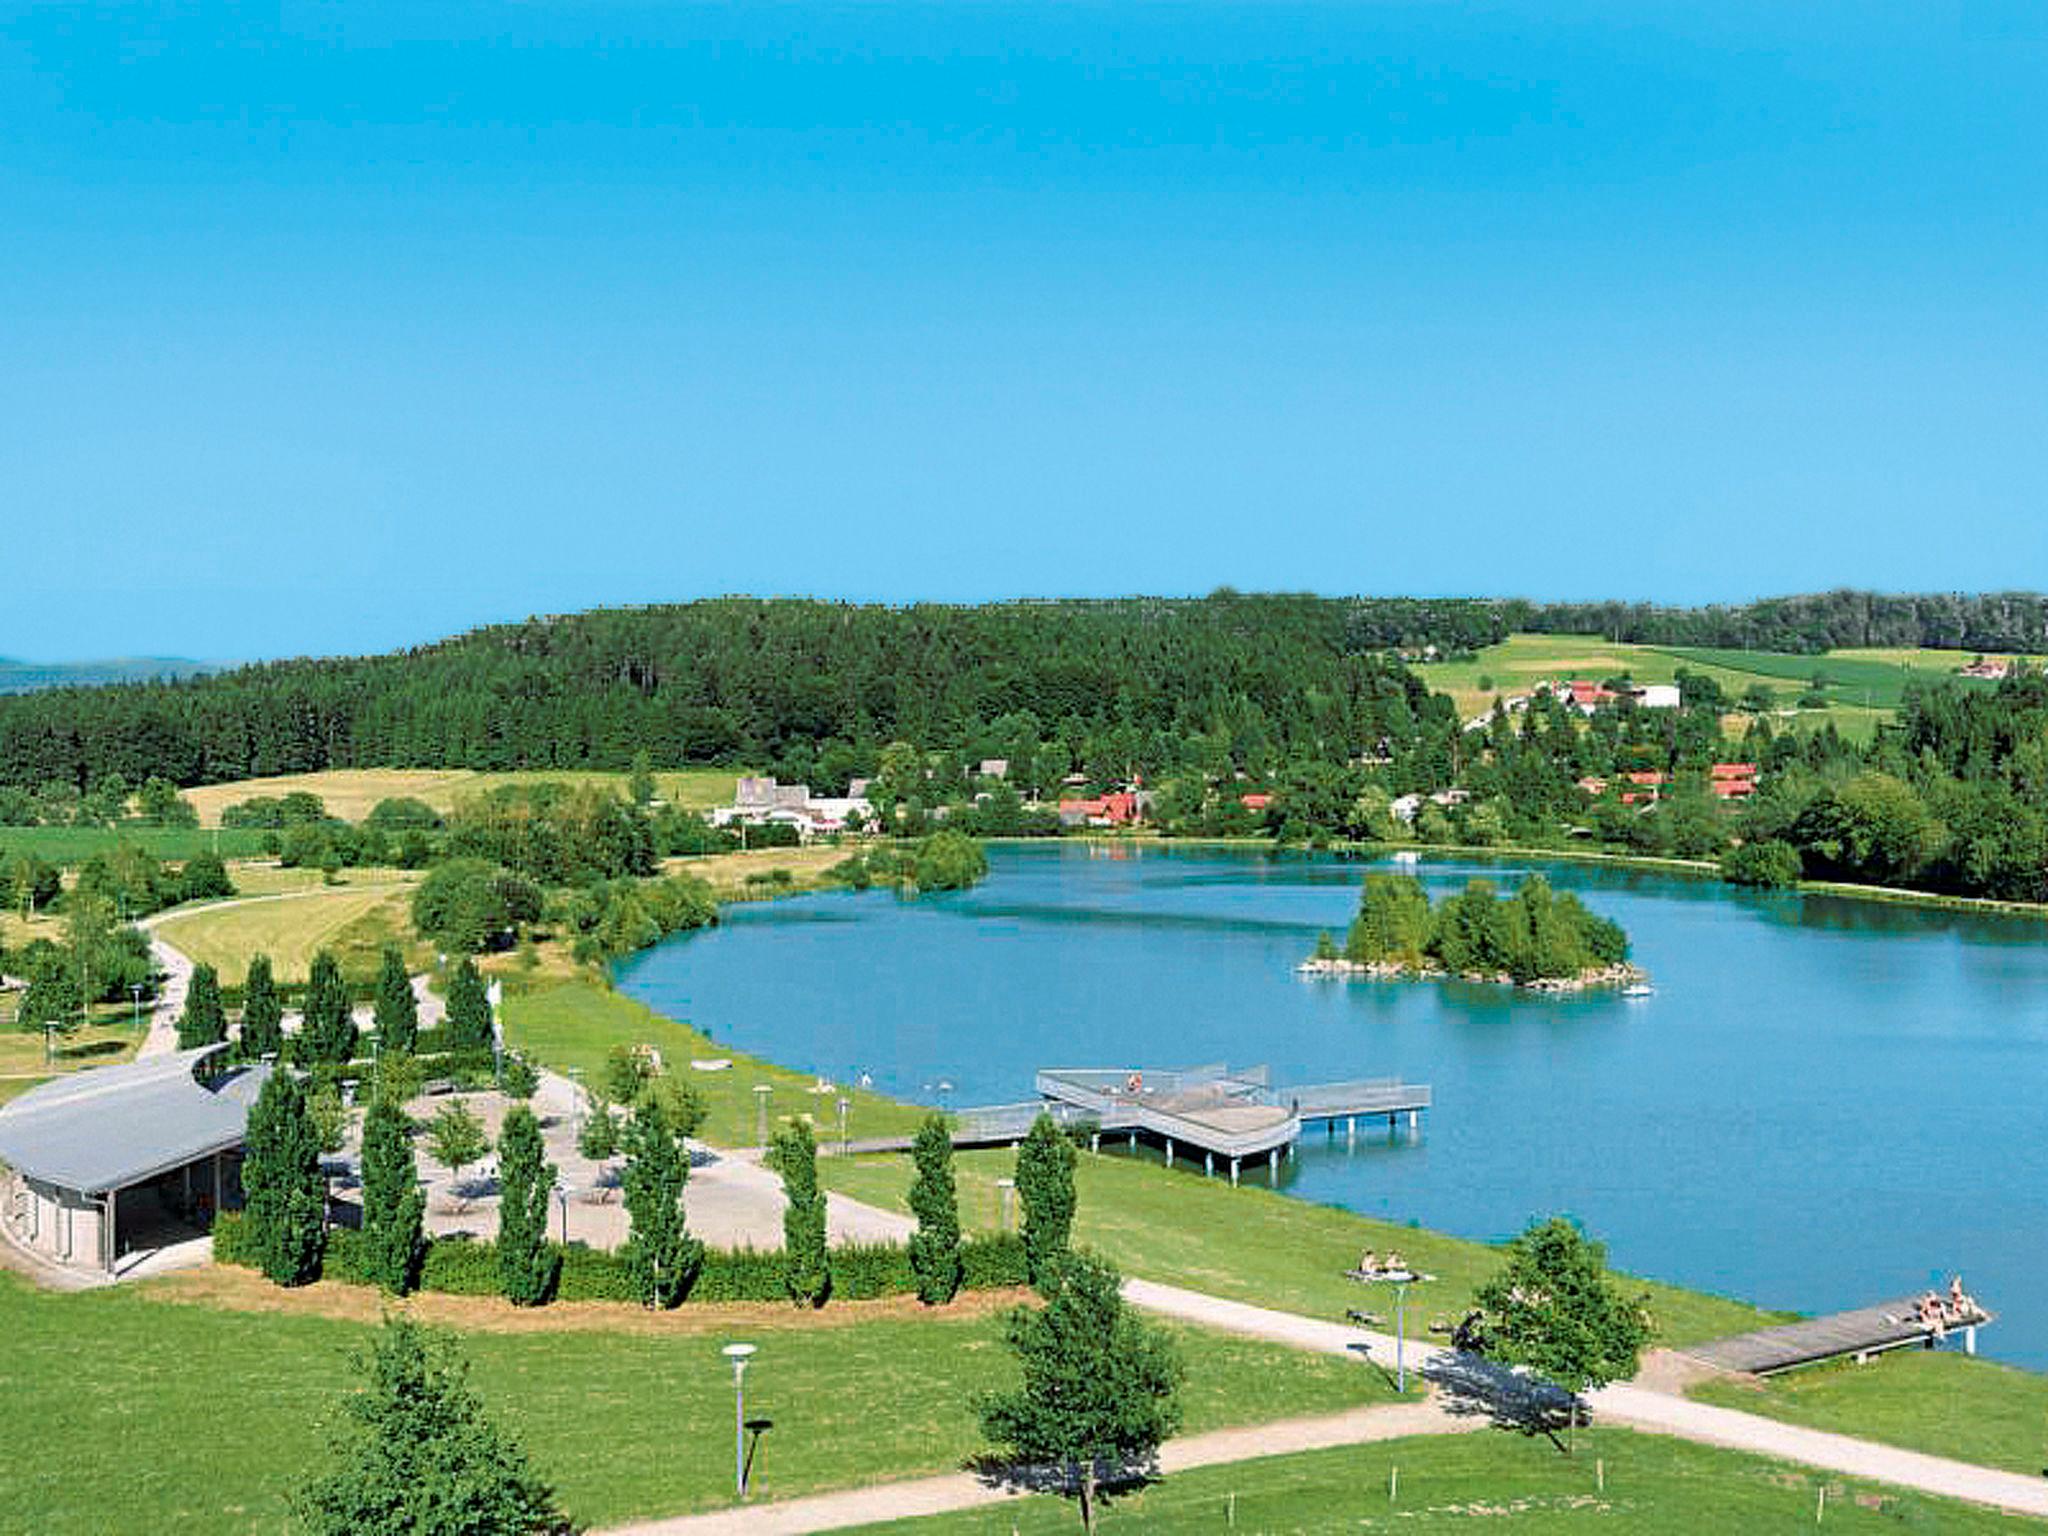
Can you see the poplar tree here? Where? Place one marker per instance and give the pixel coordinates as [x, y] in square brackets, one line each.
[262, 1013]
[396, 1010]
[469, 1009]
[284, 1196]
[527, 1266]
[203, 1022]
[1045, 1186]
[660, 1254]
[935, 1202]
[394, 1206]
[327, 1032]
[806, 1265]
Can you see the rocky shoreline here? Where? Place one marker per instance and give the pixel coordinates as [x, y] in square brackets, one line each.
[1622, 974]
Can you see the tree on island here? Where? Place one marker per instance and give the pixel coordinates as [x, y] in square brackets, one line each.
[203, 1021]
[284, 1195]
[420, 1458]
[262, 1031]
[806, 1264]
[455, 1139]
[394, 1206]
[1100, 1389]
[661, 1256]
[935, 1202]
[1554, 1309]
[1392, 926]
[527, 1266]
[1045, 1186]
[949, 861]
[396, 1011]
[1536, 933]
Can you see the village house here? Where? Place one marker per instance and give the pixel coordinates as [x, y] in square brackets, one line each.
[761, 801]
[1732, 781]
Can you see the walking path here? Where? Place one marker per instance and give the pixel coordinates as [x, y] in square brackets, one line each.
[965, 1490]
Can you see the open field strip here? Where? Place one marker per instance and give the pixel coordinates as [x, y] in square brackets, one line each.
[352, 793]
[74, 845]
[629, 1423]
[1647, 1485]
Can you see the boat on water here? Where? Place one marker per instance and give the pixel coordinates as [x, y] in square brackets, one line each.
[1638, 989]
[1407, 856]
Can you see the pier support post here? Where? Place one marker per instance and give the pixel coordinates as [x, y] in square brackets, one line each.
[1169, 1151]
[1208, 1164]
[1351, 1130]
[1970, 1339]
[1134, 1141]
[1273, 1163]
[1414, 1120]
[1390, 1121]
[1095, 1141]
[1233, 1173]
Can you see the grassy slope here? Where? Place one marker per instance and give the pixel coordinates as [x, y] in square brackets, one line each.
[1943, 1403]
[368, 908]
[351, 793]
[1654, 1486]
[111, 1389]
[576, 1024]
[1255, 1245]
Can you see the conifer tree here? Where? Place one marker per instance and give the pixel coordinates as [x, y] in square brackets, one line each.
[934, 1201]
[327, 1033]
[806, 1264]
[285, 1198]
[1045, 1186]
[660, 1254]
[397, 1010]
[262, 1013]
[420, 1458]
[469, 1009]
[203, 1022]
[394, 1206]
[527, 1266]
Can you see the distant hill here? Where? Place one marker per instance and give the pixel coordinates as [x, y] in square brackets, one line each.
[28, 676]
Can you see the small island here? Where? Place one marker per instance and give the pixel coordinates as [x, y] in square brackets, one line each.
[1535, 937]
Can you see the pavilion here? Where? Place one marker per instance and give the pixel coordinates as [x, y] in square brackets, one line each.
[116, 1160]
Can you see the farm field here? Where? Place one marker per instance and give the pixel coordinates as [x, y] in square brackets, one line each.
[1252, 1244]
[1863, 685]
[575, 1024]
[351, 793]
[355, 919]
[1618, 1480]
[629, 1415]
[74, 845]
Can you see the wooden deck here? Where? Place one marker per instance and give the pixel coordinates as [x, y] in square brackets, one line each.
[1856, 1335]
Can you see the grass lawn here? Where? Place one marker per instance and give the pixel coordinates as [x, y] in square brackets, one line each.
[576, 1024]
[1254, 1245]
[111, 1036]
[74, 845]
[199, 1419]
[1938, 1401]
[352, 793]
[354, 919]
[1490, 1479]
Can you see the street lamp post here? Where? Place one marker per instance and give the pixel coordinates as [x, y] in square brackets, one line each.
[739, 1354]
[1007, 1187]
[844, 1104]
[761, 1092]
[562, 1193]
[135, 991]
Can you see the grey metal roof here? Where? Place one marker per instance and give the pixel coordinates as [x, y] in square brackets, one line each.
[110, 1127]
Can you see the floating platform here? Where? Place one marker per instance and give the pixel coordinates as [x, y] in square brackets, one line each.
[1855, 1335]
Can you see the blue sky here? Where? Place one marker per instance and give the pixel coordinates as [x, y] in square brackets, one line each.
[341, 326]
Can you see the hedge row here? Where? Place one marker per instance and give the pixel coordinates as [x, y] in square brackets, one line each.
[468, 1267]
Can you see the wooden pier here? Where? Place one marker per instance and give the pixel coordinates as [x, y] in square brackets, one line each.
[1855, 1335]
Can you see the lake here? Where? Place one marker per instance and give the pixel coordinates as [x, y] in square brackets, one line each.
[1826, 1103]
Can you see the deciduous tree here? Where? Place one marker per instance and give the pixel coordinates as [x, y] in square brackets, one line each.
[806, 1265]
[285, 1198]
[527, 1266]
[660, 1254]
[394, 1206]
[1045, 1186]
[396, 1009]
[934, 1201]
[262, 1013]
[203, 1021]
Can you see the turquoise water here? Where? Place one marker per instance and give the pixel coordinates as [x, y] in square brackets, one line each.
[1826, 1102]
